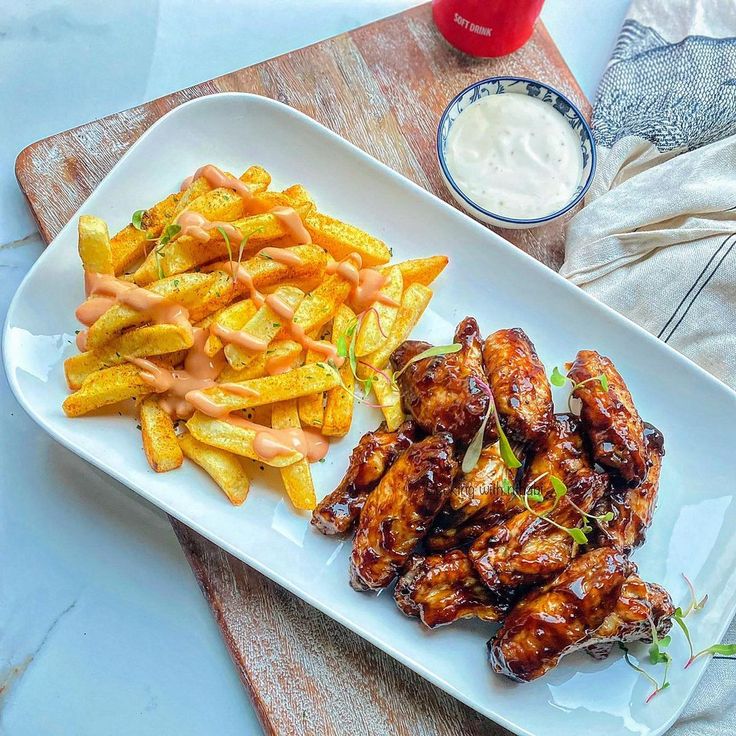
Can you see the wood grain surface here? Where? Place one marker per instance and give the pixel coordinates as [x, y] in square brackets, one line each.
[383, 87]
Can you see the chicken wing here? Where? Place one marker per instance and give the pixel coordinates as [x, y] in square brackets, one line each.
[526, 549]
[588, 603]
[399, 511]
[440, 589]
[519, 384]
[639, 606]
[610, 419]
[477, 500]
[633, 508]
[372, 457]
[444, 393]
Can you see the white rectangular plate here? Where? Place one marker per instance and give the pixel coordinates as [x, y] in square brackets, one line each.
[487, 277]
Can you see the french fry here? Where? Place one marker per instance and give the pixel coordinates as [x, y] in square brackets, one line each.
[419, 270]
[264, 325]
[225, 468]
[320, 306]
[267, 275]
[340, 240]
[295, 196]
[235, 439]
[131, 244]
[159, 439]
[138, 343]
[378, 320]
[312, 407]
[257, 178]
[297, 478]
[186, 252]
[413, 303]
[105, 387]
[232, 317]
[186, 289]
[307, 379]
[281, 356]
[94, 245]
[218, 204]
[390, 400]
[339, 402]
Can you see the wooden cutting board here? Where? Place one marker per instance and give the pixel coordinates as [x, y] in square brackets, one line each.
[383, 87]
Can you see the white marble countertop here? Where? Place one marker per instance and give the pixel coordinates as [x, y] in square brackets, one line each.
[102, 627]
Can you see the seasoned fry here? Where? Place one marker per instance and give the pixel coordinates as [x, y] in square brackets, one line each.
[131, 244]
[105, 387]
[186, 252]
[138, 343]
[307, 379]
[320, 306]
[263, 326]
[312, 407]
[419, 270]
[341, 240]
[231, 318]
[413, 303]
[94, 245]
[338, 414]
[220, 330]
[379, 318]
[186, 290]
[235, 439]
[297, 478]
[390, 400]
[281, 357]
[159, 439]
[225, 468]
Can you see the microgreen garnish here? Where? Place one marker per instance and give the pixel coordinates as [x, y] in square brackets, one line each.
[170, 232]
[244, 242]
[472, 454]
[226, 238]
[657, 687]
[268, 258]
[432, 352]
[557, 378]
[137, 219]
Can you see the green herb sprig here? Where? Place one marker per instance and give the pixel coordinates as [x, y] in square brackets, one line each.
[559, 379]
[137, 219]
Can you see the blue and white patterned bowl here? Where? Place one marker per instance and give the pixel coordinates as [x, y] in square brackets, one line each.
[522, 86]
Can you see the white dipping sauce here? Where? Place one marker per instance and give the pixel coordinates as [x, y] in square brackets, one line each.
[514, 156]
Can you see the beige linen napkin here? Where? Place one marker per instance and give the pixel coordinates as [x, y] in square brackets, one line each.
[656, 239]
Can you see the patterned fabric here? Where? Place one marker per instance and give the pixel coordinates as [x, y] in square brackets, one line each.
[656, 239]
[695, 106]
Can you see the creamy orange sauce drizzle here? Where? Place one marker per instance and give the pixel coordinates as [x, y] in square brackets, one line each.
[270, 443]
[278, 364]
[292, 223]
[280, 255]
[365, 283]
[286, 313]
[241, 338]
[177, 386]
[217, 178]
[198, 226]
[104, 290]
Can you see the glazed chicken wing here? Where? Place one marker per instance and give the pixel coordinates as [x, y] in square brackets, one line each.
[610, 419]
[444, 393]
[633, 508]
[519, 384]
[440, 589]
[596, 599]
[476, 502]
[373, 456]
[639, 605]
[526, 549]
[399, 511]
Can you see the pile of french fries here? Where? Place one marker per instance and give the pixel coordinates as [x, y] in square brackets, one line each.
[312, 393]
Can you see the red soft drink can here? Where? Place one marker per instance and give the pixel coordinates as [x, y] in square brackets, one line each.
[486, 27]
